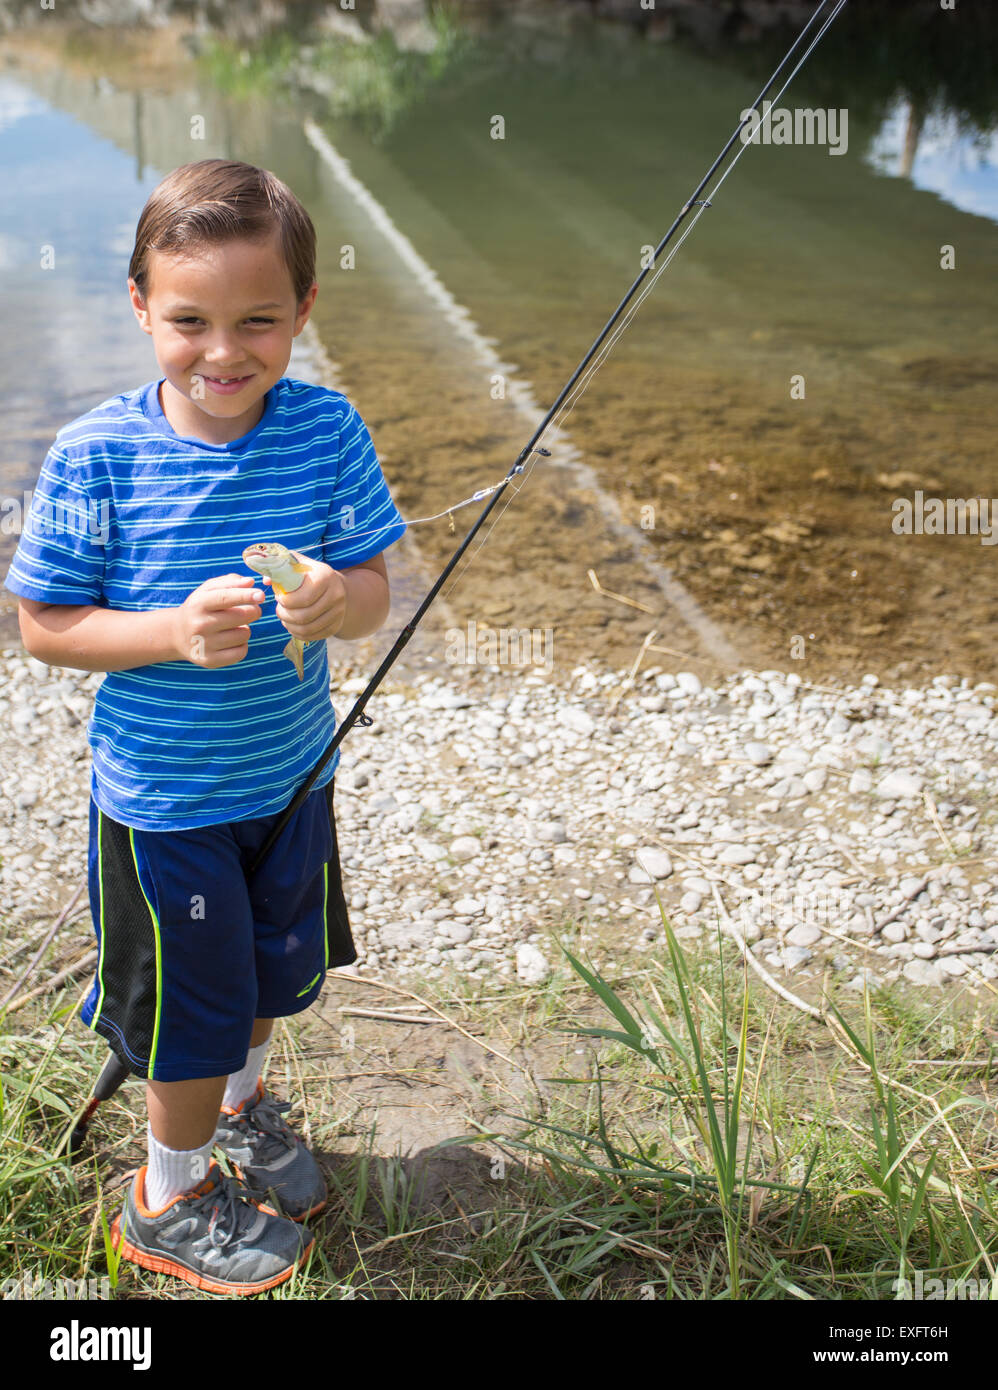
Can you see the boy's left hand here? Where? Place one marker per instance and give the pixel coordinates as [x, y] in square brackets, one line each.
[316, 609]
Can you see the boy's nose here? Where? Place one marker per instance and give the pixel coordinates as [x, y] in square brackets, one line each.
[224, 353]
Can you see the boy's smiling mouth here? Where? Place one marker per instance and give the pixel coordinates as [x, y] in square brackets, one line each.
[227, 385]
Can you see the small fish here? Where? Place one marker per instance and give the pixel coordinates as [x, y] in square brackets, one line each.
[286, 574]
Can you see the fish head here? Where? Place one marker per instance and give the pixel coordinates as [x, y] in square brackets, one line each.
[264, 556]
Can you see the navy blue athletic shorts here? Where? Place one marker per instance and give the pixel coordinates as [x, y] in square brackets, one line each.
[191, 950]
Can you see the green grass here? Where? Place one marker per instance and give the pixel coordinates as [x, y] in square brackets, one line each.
[708, 1142]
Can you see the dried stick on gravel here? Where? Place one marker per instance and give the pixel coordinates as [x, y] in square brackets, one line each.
[29, 944]
[388, 1016]
[16, 988]
[763, 974]
[710, 872]
[628, 681]
[83, 964]
[930, 806]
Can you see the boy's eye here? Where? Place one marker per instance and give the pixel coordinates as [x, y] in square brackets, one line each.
[256, 318]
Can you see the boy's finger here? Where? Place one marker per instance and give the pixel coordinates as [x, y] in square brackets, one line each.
[303, 612]
[232, 620]
[217, 599]
[229, 638]
[234, 647]
[301, 597]
[229, 579]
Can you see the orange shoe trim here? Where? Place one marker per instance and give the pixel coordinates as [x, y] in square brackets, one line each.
[260, 1091]
[159, 1264]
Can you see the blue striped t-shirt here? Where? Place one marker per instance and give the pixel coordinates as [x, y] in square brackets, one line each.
[129, 515]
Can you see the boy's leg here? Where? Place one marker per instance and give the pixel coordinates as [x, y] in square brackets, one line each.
[183, 1114]
[262, 1029]
[182, 1118]
[175, 993]
[241, 1085]
[301, 928]
[264, 1150]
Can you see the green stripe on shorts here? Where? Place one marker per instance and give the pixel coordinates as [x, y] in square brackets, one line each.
[159, 960]
[103, 928]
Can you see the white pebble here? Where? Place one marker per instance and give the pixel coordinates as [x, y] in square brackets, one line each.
[531, 966]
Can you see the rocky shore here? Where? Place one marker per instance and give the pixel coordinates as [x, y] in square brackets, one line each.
[488, 811]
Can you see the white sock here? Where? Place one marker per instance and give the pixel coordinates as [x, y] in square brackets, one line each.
[173, 1171]
[242, 1084]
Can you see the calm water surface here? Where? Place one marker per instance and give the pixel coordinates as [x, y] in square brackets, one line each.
[812, 265]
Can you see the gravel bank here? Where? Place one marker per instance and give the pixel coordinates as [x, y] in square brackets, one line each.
[485, 809]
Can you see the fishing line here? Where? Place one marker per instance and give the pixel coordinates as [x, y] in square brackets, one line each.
[531, 447]
[569, 401]
[516, 481]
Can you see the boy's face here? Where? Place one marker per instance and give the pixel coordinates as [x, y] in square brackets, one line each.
[222, 321]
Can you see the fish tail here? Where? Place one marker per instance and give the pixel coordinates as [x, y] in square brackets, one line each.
[294, 651]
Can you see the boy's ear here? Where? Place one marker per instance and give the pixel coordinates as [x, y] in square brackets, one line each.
[305, 308]
[139, 306]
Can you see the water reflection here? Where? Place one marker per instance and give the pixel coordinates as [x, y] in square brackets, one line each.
[813, 265]
[935, 154]
[66, 226]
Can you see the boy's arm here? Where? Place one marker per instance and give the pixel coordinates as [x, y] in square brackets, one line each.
[89, 638]
[368, 598]
[362, 518]
[210, 628]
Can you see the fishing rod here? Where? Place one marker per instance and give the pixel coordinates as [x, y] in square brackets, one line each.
[115, 1070]
[356, 714]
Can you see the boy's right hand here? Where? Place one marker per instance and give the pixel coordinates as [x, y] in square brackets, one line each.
[211, 626]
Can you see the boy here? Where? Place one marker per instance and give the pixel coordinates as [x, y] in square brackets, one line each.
[201, 730]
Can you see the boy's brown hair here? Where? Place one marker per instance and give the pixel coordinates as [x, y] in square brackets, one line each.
[218, 200]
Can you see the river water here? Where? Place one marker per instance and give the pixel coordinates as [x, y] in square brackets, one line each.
[807, 363]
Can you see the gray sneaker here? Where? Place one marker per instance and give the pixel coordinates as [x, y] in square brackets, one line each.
[269, 1157]
[214, 1237]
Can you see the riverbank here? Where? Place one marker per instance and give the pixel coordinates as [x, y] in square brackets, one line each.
[842, 832]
